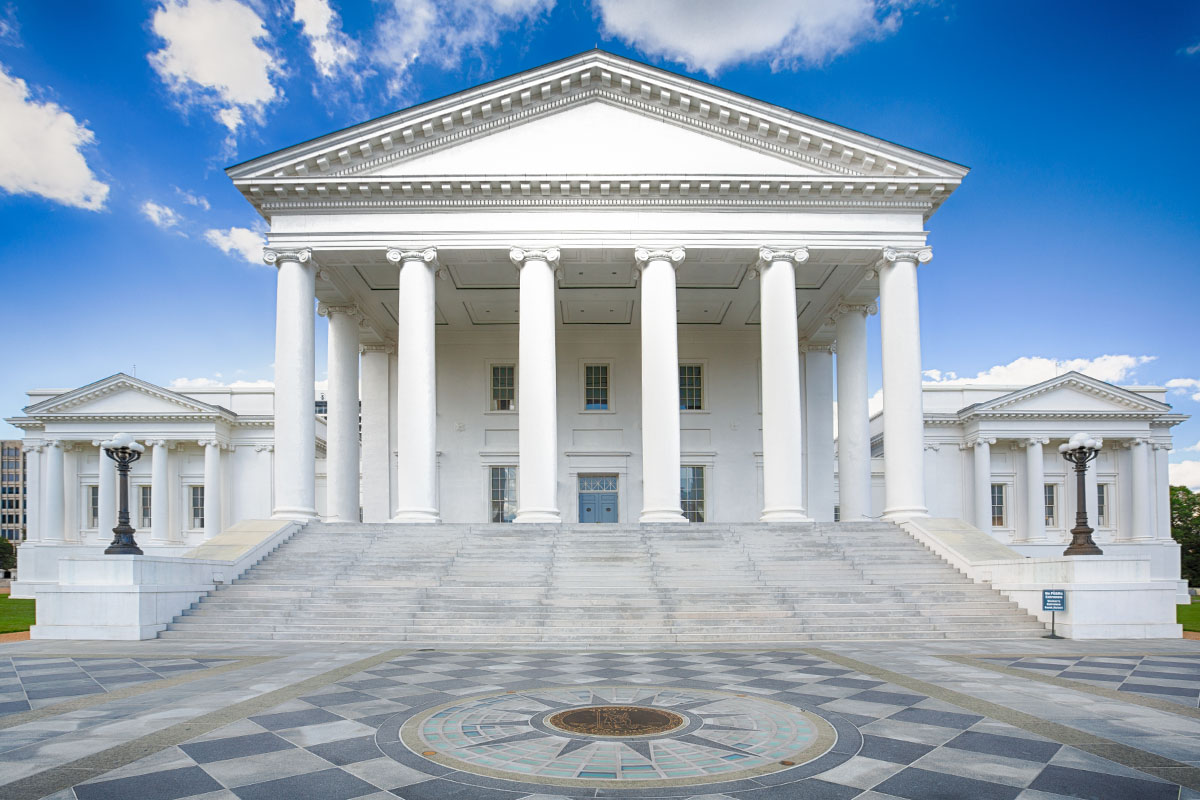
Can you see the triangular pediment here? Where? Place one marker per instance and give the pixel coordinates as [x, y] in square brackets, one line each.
[595, 115]
[124, 395]
[1074, 393]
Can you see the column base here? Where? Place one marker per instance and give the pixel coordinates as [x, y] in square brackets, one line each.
[784, 515]
[905, 513]
[544, 515]
[417, 515]
[298, 514]
[662, 515]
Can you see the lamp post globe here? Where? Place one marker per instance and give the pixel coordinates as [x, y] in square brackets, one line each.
[1080, 450]
[124, 450]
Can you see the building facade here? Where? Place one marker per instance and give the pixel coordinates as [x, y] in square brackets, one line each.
[13, 494]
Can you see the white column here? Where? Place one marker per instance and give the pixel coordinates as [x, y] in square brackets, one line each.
[53, 531]
[660, 385]
[1162, 491]
[854, 416]
[1139, 456]
[537, 410]
[783, 430]
[1092, 500]
[376, 475]
[416, 399]
[33, 489]
[903, 417]
[341, 504]
[983, 484]
[160, 504]
[1035, 490]
[295, 416]
[106, 508]
[818, 430]
[212, 487]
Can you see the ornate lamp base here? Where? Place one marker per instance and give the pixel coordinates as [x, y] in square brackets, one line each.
[1081, 543]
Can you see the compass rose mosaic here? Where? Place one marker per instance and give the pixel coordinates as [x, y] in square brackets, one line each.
[619, 736]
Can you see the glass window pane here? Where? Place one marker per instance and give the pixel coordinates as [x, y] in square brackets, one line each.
[1102, 505]
[1051, 505]
[144, 503]
[691, 389]
[197, 507]
[504, 387]
[595, 389]
[691, 492]
[998, 510]
[503, 494]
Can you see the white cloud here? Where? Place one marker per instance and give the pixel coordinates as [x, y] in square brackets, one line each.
[237, 241]
[1195, 447]
[710, 35]
[1192, 49]
[216, 56]
[162, 216]
[1186, 473]
[1188, 386]
[217, 383]
[444, 32]
[331, 49]
[1035, 369]
[41, 149]
[10, 30]
[197, 200]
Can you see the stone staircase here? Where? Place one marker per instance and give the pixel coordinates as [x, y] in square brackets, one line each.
[602, 585]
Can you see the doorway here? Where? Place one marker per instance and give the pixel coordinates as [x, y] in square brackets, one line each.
[597, 498]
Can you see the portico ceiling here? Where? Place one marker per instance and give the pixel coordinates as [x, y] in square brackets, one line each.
[596, 286]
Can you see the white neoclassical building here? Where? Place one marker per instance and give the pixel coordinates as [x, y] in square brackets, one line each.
[597, 291]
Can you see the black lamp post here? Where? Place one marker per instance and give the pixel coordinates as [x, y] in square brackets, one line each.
[123, 450]
[1080, 450]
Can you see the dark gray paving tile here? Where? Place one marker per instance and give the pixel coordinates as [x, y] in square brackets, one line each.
[168, 785]
[338, 698]
[896, 751]
[1077, 674]
[1169, 676]
[235, 747]
[853, 683]
[771, 683]
[295, 719]
[328, 784]
[348, 751]
[13, 706]
[1009, 746]
[808, 789]
[920, 784]
[442, 789]
[1100, 786]
[1147, 688]
[69, 691]
[946, 719]
[890, 698]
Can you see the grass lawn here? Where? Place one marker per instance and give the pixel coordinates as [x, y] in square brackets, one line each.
[1188, 616]
[17, 615]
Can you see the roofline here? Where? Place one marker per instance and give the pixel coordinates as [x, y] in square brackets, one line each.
[579, 56]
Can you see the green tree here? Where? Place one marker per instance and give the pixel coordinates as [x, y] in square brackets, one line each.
[1185, 527]
[8, 555]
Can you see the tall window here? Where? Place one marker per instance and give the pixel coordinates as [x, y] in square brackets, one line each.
[504, 387]
[691, 387]
[503, 494]
[1103, 493]
[877, 446]
[691, 493]
[144, 505]
[93, 505]
[595, 387]
[1051, 505]
[999, 507]
[197, 507]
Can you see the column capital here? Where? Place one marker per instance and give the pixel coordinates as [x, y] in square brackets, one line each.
[1134, 441]
[817, 347]
[264, 448]
[519, 255]
[866, 309]
[375, 348]
[208, 442]
[1162, 446]
[275, 255]
[1035, 441]
[32, 447]
[157, 442]
[642, 256]
[327, 310]
[916, 255]
[399, 255]
[768, 255]
[982, 440]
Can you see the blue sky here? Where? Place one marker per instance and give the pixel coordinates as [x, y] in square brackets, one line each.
[1075, 239]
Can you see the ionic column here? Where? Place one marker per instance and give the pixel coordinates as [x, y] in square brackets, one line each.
[295, 417]
[342, 424]
[1035, 489]
[1162, 491]
[33, 489]
[53, 532]
[783, 430]
[537, 412]
[160, 518]
[1092, 500]
[904, 420]
[818, 433]
[212, 487]
[854, 416]
[983, 483]
[376, 472]
[106, 508]
[660, 385]
[416, 398]
[1139, 522]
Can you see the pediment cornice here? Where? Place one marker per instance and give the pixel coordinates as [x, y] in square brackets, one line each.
[845, 166]
[1125, 403]
[71, 404]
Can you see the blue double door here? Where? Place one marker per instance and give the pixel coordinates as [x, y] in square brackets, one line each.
[597, 498]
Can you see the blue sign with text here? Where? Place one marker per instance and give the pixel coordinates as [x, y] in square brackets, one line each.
[1054, 600]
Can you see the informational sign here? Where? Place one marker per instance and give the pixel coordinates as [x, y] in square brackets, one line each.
[1054, 600]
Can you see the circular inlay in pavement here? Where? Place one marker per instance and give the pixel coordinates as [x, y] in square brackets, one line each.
[618, 736]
